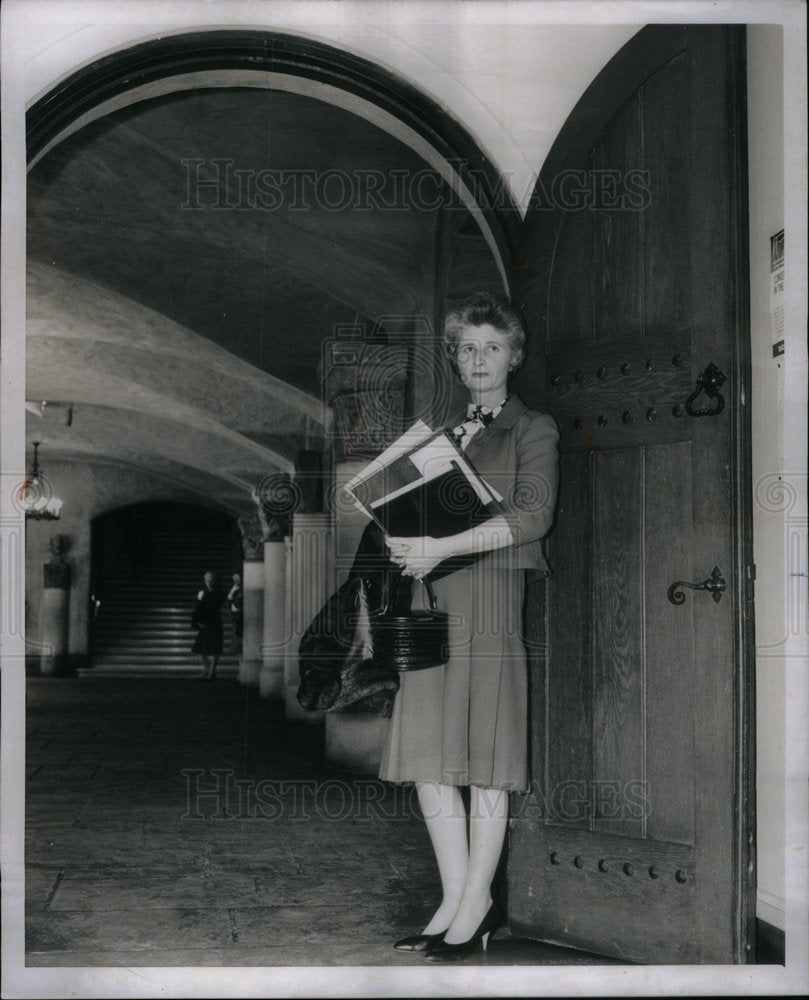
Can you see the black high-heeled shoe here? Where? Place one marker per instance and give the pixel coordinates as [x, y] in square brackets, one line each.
[419, 942]
[445, 952]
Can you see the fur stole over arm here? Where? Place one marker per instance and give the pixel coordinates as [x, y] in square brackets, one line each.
[336, 664]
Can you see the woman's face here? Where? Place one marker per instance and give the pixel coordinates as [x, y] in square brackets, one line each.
[484, 357]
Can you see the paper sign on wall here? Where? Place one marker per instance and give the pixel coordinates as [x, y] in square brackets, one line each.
[777, 293]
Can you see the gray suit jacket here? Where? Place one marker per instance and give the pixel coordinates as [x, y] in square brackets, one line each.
[518, 455]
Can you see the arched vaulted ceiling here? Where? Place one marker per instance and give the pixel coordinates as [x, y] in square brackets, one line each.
[194, 247]
[257, 219]
[192, 256]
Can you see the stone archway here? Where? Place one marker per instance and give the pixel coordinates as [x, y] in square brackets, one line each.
[203, 61]
[285, 62]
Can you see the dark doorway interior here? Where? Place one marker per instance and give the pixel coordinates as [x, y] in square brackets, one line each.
[147, 565]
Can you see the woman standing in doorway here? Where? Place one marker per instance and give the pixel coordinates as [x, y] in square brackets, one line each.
[464, 724]
[207, 620]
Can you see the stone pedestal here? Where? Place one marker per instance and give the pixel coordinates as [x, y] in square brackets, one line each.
[250, 662]
[271, 678]
[54, 619]
[311, 582]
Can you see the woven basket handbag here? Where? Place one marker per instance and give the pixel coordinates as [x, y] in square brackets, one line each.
[411, 641]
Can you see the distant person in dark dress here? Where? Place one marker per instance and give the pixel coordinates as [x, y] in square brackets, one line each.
[207, 620]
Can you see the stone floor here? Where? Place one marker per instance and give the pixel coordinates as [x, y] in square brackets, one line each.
[175, 823]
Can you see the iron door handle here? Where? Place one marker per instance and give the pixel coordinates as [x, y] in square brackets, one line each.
[716, 585]
[710, 382]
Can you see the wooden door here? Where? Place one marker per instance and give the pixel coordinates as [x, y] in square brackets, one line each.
[635, 840]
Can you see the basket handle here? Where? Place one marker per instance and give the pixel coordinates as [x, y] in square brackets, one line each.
[395, 583]
[430, 594]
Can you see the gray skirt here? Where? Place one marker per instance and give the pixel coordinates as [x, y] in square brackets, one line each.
[466, 722]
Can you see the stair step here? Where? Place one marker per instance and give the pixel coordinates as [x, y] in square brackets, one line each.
[160, 611]
[129, 656]
[161, 617]
[147, 645]
[166, 581]
[133, 669]
[127, 631]
[121, 655]
[154, 612]
[130, 661]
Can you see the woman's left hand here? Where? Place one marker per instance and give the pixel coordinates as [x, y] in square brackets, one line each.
[417, 556]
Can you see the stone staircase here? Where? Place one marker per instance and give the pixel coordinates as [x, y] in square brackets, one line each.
[144, 621]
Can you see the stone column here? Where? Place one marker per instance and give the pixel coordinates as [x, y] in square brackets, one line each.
[250, 662]
[54, 618]
[271, 678]
[310, 583]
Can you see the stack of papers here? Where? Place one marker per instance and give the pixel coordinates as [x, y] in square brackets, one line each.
[424, 485]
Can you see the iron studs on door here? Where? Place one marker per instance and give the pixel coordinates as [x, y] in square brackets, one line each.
[623, 391]
[618, 866]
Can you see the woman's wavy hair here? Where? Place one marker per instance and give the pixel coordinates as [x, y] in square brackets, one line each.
[482, 309]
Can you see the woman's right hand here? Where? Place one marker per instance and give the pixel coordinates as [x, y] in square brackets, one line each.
[417, 556]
